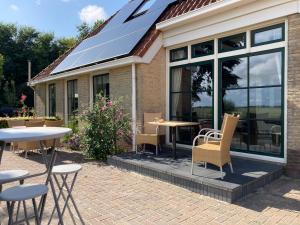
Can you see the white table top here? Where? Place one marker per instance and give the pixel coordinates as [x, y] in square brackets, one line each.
[32, 133]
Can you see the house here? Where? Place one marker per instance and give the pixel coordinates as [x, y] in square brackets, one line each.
[192, 60]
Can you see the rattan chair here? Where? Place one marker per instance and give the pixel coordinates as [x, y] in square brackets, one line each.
[216, 154]
[11, 124]
[148, 134]
[31, 145]
[53, 123]
[205, 133]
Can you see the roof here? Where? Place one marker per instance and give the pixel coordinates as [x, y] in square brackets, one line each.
[176, 9]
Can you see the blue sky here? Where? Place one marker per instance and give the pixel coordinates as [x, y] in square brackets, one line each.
[58, 16]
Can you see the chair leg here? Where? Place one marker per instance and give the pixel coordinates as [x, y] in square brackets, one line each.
[156, 150]
[192, 167]
[205, 165]
[36, 213]
[10, 212]
[221, 170]
[231, 168]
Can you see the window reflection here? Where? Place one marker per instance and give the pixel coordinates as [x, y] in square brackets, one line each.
[266, 69]
[259, 103]
[234, 73]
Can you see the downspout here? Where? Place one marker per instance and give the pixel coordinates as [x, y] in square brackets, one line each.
[133, 95]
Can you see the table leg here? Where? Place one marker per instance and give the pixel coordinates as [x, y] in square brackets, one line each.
[174, 142]
[3, 144]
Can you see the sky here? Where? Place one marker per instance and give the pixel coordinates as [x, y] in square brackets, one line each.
[58, 16]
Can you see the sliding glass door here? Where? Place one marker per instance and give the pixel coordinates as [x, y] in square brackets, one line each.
[191, 97]
[252, 86]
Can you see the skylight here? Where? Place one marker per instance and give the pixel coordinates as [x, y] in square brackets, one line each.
[144, 7]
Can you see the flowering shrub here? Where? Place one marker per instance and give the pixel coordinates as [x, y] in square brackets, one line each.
[74, 142]
[105, 125]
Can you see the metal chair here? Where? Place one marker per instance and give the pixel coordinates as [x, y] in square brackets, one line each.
[21, 193]
[64, 171]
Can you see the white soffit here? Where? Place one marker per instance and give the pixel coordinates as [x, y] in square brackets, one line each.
[219, 20]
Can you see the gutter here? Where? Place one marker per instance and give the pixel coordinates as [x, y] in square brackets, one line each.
[133, 95]
[200, 13]
[108, 65]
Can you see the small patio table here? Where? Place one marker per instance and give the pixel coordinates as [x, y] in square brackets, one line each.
[40, 134]
[174, 125]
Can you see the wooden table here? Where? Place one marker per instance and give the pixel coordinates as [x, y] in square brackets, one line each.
[174, 125]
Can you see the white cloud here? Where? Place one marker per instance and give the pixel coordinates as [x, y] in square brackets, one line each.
[92, 13]
[14, 7]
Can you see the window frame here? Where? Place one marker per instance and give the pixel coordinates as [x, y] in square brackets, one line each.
[50, 86]
[190, 92]
[95, 77]
[244, 34]
[253, 32]
[248, 88]
[185, 48]
[70, 114]
[193, 55]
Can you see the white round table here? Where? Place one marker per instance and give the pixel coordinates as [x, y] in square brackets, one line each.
[40, 134]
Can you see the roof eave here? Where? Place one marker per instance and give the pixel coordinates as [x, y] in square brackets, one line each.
[200, 13]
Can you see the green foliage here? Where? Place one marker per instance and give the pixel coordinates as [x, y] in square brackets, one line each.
[1, 67]
[105, 126]
[84, 29]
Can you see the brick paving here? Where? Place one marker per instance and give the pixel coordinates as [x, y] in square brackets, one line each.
[107, 195]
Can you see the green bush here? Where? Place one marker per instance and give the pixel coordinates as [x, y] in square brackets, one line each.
[105, 125]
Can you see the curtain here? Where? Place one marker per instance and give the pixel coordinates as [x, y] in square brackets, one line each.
[176, 77]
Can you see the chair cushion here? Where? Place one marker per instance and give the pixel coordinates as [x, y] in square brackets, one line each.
[23, 192]
[208, 147]
[66, 169]
[11, 175]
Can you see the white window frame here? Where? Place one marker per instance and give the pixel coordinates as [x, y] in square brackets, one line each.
[216, 56]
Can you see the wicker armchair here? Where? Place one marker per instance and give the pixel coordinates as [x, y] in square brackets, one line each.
[31, 145]
[11, 124]
[148, 134]
[53, 123]
[217, 154]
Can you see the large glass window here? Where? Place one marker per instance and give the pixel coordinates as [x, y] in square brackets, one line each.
[192, 97]
[268, 35]
[101, 85]
[232, 43]
[52, 99]
[72, 98]
[251, 86]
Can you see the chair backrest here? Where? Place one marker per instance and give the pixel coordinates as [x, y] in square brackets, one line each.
[228, 132]
[224, 121]
[34, 123]
[54, 123]
[15, 123]
[150, 117]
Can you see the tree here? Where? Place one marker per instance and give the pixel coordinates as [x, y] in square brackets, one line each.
[1, 67]
[83, 30]
[65, 44]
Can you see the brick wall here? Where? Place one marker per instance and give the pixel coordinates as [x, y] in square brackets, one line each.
[83, 93]
[293, 101]
[151, 88]
[40, 99]
[120, 85]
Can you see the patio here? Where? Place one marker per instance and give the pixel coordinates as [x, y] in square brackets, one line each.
[107, 195]
[248, 176]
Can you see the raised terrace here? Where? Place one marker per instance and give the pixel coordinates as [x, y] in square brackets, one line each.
[248, 176]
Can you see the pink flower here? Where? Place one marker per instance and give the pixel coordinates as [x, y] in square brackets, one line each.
[110, 103]
[103, 108]
[23, 98]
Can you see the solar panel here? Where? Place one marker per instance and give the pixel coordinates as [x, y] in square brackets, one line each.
[117, 38]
